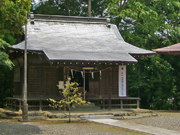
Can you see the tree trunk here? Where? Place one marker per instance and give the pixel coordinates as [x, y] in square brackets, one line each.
[89, 8]
[69, 113]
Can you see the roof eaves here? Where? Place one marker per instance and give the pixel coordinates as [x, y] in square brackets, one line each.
[53, 55]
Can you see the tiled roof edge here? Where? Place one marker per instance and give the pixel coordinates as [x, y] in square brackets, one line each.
[67, 18]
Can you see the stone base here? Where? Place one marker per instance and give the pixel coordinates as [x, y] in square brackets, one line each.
[23, 120]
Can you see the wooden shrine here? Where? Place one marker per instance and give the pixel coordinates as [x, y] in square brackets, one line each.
[89, 50]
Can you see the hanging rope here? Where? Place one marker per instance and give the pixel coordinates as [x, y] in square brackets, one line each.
[82, 72]
[87, 72]
[72, 73]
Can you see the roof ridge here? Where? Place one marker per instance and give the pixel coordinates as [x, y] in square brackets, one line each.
[119, 51]
[63, 18]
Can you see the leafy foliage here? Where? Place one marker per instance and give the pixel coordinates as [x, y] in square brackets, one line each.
[6, 85]
[6, 74]
[147, 24]
[151, 24]
[12, 18]
[71, 97]
[4, 58]
[71, 7]
[153, 82]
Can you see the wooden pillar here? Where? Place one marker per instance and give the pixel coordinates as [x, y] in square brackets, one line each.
[40, 105]
[84, 91]
[121, 103]
[139, 85]
[137, 103]
[110, 87]
[64, 78]
[99, 85]
[64, 75]
[127, 85]
[19, 105]
[104, 104]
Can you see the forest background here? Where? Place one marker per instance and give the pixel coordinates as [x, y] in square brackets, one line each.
[148, 24]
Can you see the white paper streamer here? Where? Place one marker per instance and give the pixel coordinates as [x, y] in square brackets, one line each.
[82, 74]
[72, 73]
[92, 75]
[100, 74]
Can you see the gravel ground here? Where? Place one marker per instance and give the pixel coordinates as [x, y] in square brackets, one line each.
[167, 121]
[59, 128]
[11, 127]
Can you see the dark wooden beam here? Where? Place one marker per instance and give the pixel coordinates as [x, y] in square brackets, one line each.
[64, 75]
[84, 77]
[64, 78]
[110, 87]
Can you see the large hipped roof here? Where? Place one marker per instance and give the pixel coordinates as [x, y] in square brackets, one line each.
[78, 38]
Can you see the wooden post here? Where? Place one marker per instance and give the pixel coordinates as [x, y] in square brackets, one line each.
[64, 75]
[104, 104]
[110, 87]
[137, 103]
[19, 105]
[40, 105]
[121, 103]
[89, 8]
[127, 86]
[99, 89]
[139, 95]
[25, 105]
[64, 78]
[84, 76]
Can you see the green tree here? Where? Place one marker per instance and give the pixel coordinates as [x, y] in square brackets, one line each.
[5, 73]
[154, 82]
[72, 98]
[12, 17]
[174, 60]
[5, 62]
[150, 24]
[147, 24]
[71, 7]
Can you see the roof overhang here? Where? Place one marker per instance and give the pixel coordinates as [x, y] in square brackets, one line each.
[67, 38]
[170, 50]
[54, 55]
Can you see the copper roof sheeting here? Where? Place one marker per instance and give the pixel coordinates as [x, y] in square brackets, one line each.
[171, 50]
[78, 38]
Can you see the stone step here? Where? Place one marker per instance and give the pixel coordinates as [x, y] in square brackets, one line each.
[3, 116]
[14, 114]
[89, 107]
[86, 106]
[97, 117]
